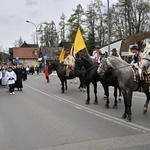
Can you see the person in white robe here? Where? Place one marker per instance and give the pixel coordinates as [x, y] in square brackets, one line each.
[10, 79]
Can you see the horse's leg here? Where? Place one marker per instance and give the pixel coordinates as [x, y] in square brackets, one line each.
[147, 100]
[127, 95]
[125, 105]
[106, 88]
[120, 95]
[62, 86]
[95, 92]
[65, 81]
[88, 94]
[129, 104]
[81, 84]
[115, 95]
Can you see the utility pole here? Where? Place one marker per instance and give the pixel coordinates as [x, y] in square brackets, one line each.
[108, 27]
[36, 28]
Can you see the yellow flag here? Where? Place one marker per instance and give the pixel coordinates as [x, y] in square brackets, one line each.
[62, 55]
[79, 42]
[71, 50]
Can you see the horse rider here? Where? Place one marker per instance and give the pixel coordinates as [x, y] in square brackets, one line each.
[96, 54]
[114, 52]
[69, 62]
[136, 62]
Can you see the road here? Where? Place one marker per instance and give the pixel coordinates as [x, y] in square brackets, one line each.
[42, 118]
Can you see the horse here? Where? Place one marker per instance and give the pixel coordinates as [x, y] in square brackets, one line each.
[145, 63]
[61, 73]
[121, 74]
[91, 76]
[145, 66]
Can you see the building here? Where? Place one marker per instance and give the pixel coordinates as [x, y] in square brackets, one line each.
[26, 54]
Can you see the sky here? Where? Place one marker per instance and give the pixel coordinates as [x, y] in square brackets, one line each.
[14, 13]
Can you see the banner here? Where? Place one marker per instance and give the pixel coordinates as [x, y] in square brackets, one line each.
[62, 55]
[79, 43]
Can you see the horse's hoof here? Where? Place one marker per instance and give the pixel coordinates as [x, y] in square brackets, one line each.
[124, 116]
[115, 106]
[119, 99]
[107, 106]
[145, 108]
[104, 97]
[87, 102]
[144, 111]
[95, 102]
[128, 118]
[83, 90]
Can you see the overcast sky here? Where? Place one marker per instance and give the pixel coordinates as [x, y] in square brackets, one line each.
[14, 13]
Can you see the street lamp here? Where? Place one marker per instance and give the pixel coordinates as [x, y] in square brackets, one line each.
[108, 27]
[36, 28]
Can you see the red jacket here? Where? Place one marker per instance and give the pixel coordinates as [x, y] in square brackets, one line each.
[46, 72]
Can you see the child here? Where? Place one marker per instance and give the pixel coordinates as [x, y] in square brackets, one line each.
[10, 78]
[46, 72]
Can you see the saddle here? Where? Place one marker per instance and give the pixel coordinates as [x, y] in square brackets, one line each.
[145, 77]
[136, 74]
[67, 69]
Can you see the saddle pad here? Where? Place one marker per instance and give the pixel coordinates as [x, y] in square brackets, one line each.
[147, 78]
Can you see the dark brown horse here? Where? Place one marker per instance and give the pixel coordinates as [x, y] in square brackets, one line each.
[61, 73]
[91, 76]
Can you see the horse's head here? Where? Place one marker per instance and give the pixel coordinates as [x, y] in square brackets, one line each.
[104, 66]
[53, 65]
[146, 58]
[78, 65]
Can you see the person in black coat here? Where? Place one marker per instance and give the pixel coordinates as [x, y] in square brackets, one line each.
[18, 72]
[24, 73]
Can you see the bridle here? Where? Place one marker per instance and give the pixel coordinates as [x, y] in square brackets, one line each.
[146, 59]
[111, 69]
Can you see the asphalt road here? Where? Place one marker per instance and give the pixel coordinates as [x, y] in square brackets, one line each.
[42, 118]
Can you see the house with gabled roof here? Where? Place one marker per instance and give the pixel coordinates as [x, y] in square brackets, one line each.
[26, 54]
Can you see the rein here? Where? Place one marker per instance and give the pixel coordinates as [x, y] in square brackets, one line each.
[90, 68]
[146, 59]
[113, 69]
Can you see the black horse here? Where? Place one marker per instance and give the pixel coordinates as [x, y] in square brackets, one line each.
[61, 73]
[91, 76]
[120, 74]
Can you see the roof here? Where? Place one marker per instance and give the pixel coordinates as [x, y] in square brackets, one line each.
[25, 52]
[29, 45]
[50, 52]
[115, 44]
[66, 45]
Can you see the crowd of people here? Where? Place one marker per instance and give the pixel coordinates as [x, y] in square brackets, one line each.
[13, 76]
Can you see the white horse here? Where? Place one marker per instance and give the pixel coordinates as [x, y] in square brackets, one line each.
[145, 65]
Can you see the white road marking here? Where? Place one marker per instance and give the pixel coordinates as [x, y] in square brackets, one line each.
[97, 113]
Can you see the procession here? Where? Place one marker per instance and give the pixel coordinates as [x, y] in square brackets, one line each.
[75, 75]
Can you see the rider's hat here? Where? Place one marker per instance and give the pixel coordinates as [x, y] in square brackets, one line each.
[97, 46]
[135, 47]
[114, 50]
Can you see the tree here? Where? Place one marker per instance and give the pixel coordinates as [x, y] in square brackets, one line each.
[62, 26]
[75, 21]
[134, 16]
[18, 43]
[94, 21]
[49, 35]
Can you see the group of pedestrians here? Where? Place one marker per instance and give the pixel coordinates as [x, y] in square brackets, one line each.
[12, 76]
